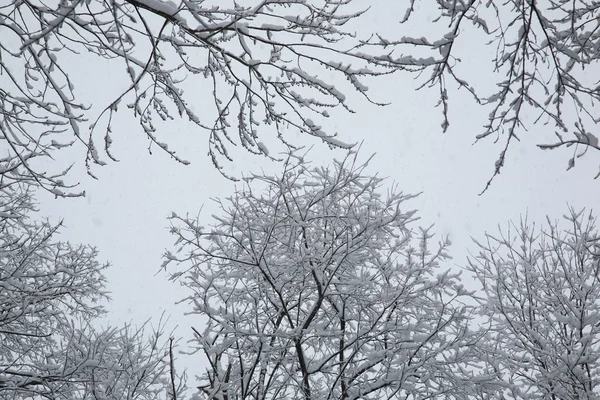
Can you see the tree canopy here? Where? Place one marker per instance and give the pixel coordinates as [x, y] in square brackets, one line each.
[314, 285]
[541, 299]
[272, 67]
[262, 67]
[50, 343]
[543, 61]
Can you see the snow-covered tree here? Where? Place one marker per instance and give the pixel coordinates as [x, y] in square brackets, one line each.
[542, 302]
[266, 68]
[543, 65]
[49, 298]
[314, 286]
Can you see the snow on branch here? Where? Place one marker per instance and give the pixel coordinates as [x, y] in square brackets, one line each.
[261, 67]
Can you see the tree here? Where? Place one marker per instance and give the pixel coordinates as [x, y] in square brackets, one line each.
[264, 62]
[49, 294]
[542, 302]
[545, 60]
[314, 286]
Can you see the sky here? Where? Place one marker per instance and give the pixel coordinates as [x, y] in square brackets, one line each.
[124, 213]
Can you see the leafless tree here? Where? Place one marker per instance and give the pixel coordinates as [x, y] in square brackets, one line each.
[314, 286]
[545, 62]
[542, 301]
[269, 66]
[49, 294]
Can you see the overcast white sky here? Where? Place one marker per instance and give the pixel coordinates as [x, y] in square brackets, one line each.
[124, 212]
